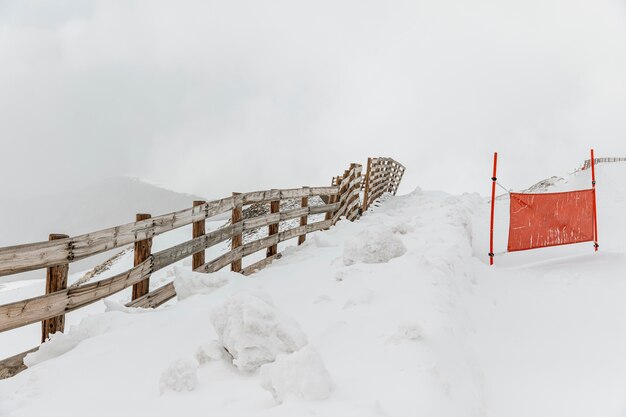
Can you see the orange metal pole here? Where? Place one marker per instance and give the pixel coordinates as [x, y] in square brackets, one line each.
[493, 202]
[595, 215]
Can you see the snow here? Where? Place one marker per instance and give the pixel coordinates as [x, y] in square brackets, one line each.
[253, 331]
[181, 375]
[374, 245]
[432, 330]
[301, 374]
[210, 351]
[188, 283]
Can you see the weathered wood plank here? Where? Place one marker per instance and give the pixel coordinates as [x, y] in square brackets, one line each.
[272, 230]
[261, 221]
[32, 256]
[324, 191]
[56, 280]
[237, 240]
[183, 250]
[198, 229]
[141, 253]
[323, 208]
[304, 203]
[32, 310]
[15, 364]
[155, 298]
[257, 266]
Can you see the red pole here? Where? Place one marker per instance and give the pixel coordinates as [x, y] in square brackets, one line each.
[595, 216]
[493, 202]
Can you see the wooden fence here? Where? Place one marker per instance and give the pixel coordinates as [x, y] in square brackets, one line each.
[340, 200]
[383, 175]
[587, 163]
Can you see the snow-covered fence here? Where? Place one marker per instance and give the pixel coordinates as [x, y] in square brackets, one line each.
[340, 200]
[587, 163]
[383, 175]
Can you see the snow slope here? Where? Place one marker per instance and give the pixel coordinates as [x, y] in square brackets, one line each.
[413, 323]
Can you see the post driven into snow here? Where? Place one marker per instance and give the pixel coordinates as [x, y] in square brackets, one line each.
[237, 240]
[273, 229]
[493, 203]
[197, 259]
[142, 252]
[595, 215]
[56, 280]
[304, 219]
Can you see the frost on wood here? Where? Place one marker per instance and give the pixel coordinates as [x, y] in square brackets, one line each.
[253, 331]
[181, 375]
[371, 246]
[301, 374]
[188, 283]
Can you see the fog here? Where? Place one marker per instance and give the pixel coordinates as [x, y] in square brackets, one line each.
[210, 97]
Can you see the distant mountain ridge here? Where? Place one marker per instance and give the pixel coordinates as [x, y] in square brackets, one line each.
[106, 203]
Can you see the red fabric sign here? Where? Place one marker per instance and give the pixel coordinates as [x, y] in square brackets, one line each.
[551, 219]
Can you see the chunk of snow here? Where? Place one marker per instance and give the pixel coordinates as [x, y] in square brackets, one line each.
[253, 331]
[403, 228]
[301, 374]
[374, 245]
[208, 352]
[407, 332]
[188, 283]
[181, 375]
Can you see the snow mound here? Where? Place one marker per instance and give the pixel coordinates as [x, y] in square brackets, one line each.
[372, 246]
[60, 343]
[208, 352]
[188, 283]
[253, 331]
[301, 374]
[180, 376]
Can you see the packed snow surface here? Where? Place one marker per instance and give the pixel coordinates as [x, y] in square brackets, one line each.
[253, 331]
[397, 314]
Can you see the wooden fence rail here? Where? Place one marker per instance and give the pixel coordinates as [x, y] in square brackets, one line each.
[587, 163]
[341, 200]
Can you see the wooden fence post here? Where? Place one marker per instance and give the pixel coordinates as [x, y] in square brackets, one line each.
[331, 200]
[142, 252]
[401, 173]
[352, 195]
[56, 280]
[304, 219]
[273, 228]
[237, 240]
[366, 191]
[198, 230]
[357, 189]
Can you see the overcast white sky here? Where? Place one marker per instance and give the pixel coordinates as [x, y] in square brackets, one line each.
[211, 97]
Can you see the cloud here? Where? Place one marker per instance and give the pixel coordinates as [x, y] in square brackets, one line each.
[211, 97]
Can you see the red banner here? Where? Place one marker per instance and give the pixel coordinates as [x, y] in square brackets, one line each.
[551, 219]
